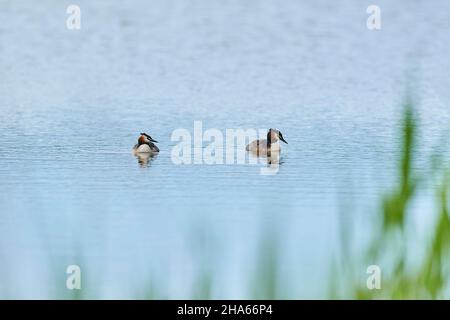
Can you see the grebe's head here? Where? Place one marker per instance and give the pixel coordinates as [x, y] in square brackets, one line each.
[274, 135]
[145, 138]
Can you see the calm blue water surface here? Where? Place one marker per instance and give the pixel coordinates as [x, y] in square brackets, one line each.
[72, 104]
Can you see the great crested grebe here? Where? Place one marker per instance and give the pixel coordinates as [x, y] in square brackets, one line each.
[264, 146]
[145, 144]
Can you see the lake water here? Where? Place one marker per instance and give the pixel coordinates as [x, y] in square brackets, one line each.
[74, 101]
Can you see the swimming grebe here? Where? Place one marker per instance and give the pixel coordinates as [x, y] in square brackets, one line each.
[145, 144]
[264, 146]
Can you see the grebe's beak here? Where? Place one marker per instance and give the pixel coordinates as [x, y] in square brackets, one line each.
[281, 138]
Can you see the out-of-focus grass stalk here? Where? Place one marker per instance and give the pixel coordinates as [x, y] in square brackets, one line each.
[395, 205]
